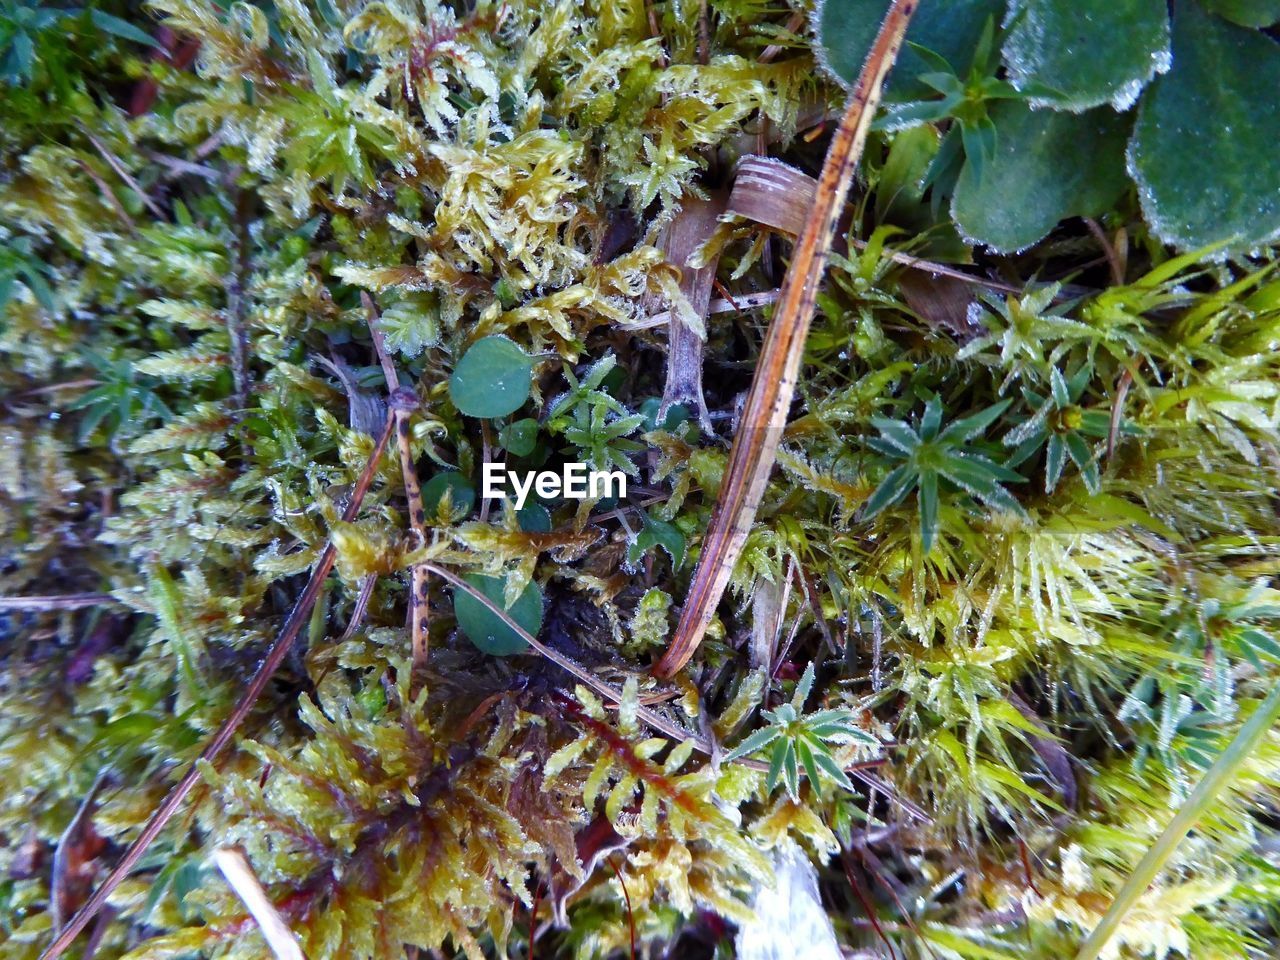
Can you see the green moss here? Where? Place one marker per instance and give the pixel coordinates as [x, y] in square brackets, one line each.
[190, 386]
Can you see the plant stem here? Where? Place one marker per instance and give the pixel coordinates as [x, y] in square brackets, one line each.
[1218, 777]
[768, 404]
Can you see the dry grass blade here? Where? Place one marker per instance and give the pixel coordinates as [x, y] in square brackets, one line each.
[778, 195]
[402, 403]
[297, 619]
[773, 387]
[240, 877]
[70, 601]
[740, 303]
[75, 859]
[1206, 791]
[691, 227]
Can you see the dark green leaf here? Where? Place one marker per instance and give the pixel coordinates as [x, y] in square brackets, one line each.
[805, 751]
[1058, 387]
[1055, 460]
[892, 489]
[966, 428]
[21, 56]
[899, 190]
[1247, 13]
[931, 422]
[122, 28]
[776, 758]
[657, 533]
[928, 509]
[791, 769]
[519, 437]
[1046, 166]
[1263, 644]
[486, 629]
[492, 379]
[757, 741]
[897, 433]
[534, 518]
[832, 769]
[1204, 149]
[462, 495]
[1088, 52]
[952, 30]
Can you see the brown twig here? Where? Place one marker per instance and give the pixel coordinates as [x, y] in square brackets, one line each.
[794, 24]
[361, 608]
[241, 878]
[181, 168]
[867, 907]
[1117, 411]
[109, 196]
[746, 301]
[769, 401]
[631, 920]
[1114, 261]
[122, 172]
[402, 403]
[704, 43]
[70, 601]
[293, 625]
[236, 298]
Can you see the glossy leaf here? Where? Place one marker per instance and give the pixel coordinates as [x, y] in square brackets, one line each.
[657, 533]
[519, 437]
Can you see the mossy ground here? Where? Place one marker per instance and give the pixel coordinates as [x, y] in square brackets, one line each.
[1050, 619]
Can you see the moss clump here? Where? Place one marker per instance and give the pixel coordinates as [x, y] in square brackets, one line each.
[1022, 534]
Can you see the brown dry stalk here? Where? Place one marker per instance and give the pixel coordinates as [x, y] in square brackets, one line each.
[403, 402]
[69, 601]
[108, 195]
[691, 227]
[778, 195]
[241, 878]
[122, 172]
[293, 625]
[765, 415]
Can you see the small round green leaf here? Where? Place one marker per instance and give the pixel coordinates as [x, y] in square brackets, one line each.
[519, 437]
[486, 629]
[951, 29]
[534, 519]
[1047, 166]
[462, 495]
[1077, 54]
[1204, 150]
[492, 379]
